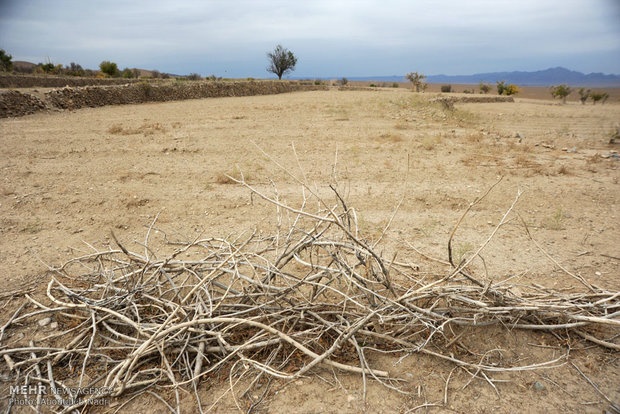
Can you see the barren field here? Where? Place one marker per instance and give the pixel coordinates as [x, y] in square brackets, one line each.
[68, 178]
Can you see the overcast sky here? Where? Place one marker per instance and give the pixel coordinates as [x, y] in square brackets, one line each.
[330, 37]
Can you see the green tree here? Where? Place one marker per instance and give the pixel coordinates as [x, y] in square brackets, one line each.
[109, 68]
[281, 61]
[416, 79]
[6, 63]
[561, 91]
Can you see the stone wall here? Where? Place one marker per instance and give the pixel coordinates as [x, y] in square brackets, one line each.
[14, 103]
[47, 81]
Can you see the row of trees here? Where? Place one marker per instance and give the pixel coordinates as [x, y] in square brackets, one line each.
[562, 92]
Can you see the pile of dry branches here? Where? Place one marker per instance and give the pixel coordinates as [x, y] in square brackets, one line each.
[315, 293]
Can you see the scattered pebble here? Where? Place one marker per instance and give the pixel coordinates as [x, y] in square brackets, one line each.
[538, 386]
[45, 321]
[598, 273]
[54, 325]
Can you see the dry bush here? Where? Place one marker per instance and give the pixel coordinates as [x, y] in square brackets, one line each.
[315, 292]
[401, 126]
[563, 170]
[522, 160]
[429, 142]
[391, 136]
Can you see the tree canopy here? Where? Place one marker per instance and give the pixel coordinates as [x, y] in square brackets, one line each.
[281, 61]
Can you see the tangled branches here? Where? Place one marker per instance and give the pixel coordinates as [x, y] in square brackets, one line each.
[314, 294]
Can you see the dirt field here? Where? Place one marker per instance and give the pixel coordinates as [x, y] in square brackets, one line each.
[70, 177]
[526, 92]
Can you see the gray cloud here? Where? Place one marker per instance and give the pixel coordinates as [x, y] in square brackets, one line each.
[331, 38]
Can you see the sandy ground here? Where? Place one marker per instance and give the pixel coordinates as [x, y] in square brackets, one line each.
[71, 177]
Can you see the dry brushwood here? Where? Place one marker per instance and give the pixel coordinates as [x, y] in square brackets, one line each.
[313, 294]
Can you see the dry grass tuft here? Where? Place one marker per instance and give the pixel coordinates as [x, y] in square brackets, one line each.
[555, 221]
[401, 126]
[429, 142]
[145, 128]
[563, 170]
[229, 177]
[475, 137]
[391, 136]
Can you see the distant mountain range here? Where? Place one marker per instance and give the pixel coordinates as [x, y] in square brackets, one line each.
[547, 77]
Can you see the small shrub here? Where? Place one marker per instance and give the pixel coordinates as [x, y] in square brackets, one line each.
[344, 81]
[484, 88]
[46, 67]
[446, 88]
[194, 76]
[584, 95]
[563, 170]
[598, 96]
[109, 68]
[318, 82]
[127, 73]
[395, 85]
[372, 85]
[500, 87]
[511, 90]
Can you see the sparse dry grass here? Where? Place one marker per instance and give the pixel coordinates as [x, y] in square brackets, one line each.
[430, 141]
[145, 129]
[563, 170]
[391, 137]
[192, 189]
[555, 221]
[230, 176]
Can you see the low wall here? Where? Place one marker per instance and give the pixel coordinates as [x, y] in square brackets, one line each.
[15, 103]
[47, 81]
